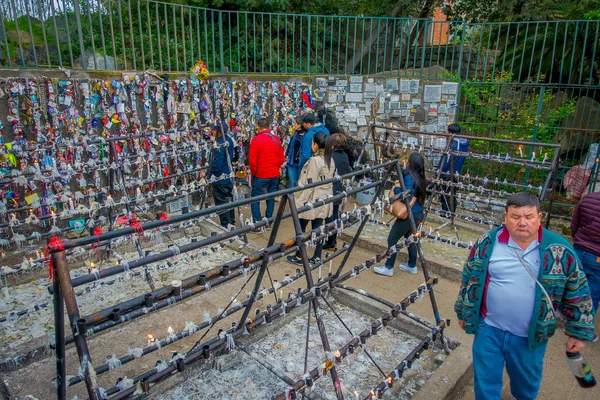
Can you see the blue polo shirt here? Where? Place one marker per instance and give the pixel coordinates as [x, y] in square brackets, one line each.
[511, 290]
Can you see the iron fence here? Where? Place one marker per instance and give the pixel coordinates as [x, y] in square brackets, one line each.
[141, 34]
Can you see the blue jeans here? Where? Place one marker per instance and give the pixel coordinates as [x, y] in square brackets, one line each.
[293, 172]
[493, 349]
[591, 267]
[258, 184]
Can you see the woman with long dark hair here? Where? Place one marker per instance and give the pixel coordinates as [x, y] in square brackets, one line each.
[319, 166]
[414, 179]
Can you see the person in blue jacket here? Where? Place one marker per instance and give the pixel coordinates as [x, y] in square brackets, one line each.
[458, 144]
[312, 126]
[293, 153]
[222, 187]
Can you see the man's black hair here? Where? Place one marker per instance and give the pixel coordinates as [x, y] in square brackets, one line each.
[263, 123]
[522, 199]
[309, 118]
[454, 129]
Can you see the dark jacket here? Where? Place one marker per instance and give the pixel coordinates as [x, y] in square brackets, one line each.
[457, 145]
[585, 225]
[342, 167]
[294, 148]
[306, 144]
[220, 165]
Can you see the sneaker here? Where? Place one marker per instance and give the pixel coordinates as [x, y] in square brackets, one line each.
[595, 339]
[294, 260]
[383, 270]
[314, 260]
[406, 268]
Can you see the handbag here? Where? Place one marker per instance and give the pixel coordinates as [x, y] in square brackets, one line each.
[398, 208]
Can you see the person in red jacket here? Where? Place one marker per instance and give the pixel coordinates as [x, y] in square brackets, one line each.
[265, 158]
[585, 230]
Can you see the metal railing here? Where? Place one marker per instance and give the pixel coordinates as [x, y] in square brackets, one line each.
[141, 34]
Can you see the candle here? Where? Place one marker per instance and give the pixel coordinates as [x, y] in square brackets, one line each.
[545, 157]
[320, 271]
[521, 151]
[356, 394]
[338, 356]
[37, 165]
[151, 340]
[71, 207]
[330, 266]
[533, 156]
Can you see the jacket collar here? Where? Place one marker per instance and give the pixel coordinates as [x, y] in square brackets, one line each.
[504, 235]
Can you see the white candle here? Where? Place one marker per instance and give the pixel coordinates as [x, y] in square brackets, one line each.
[320, 271]
[533, 156]
[521, 151]
[36, 165]
[330, 266]
[71, 207]
[545, 157]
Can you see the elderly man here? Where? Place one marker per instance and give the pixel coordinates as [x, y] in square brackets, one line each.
[513, 280]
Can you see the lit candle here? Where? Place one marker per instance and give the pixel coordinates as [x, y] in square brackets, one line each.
[521, 151]
[71, 207]
[356, 394]
[404, 164]
[151, 340]
[545, 157]
[36, 165]
[338, 356]
[533, 156]
[138, 192]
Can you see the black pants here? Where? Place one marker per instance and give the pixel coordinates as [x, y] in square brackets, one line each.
[315, 223]
[332, 240]
[223, 193]
[400, 229]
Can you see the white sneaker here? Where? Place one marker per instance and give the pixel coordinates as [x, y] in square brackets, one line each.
[406, 268]
[383, 270]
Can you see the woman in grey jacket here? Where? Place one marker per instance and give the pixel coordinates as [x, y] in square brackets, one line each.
[319, 166]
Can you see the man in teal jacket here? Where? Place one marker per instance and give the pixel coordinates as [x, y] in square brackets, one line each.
[502, 302]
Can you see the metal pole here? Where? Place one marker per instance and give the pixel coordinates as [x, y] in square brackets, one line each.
[364, 221]
[552, 175]
[265, 260]
[59, 259]
[310, 284]
[413, 228]
[59, 335]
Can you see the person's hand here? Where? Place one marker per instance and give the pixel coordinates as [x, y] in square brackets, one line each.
[575, 345]
[462, 324]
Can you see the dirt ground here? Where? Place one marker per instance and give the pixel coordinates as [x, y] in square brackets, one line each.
[558, 382]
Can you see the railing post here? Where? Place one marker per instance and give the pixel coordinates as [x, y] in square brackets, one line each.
[59, 260]
[80, 33]
[221, 58]
[308, 47]
[462, 49]
[3, 31]
[59, 335]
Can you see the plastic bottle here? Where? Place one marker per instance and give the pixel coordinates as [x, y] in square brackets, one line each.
[581, 370]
